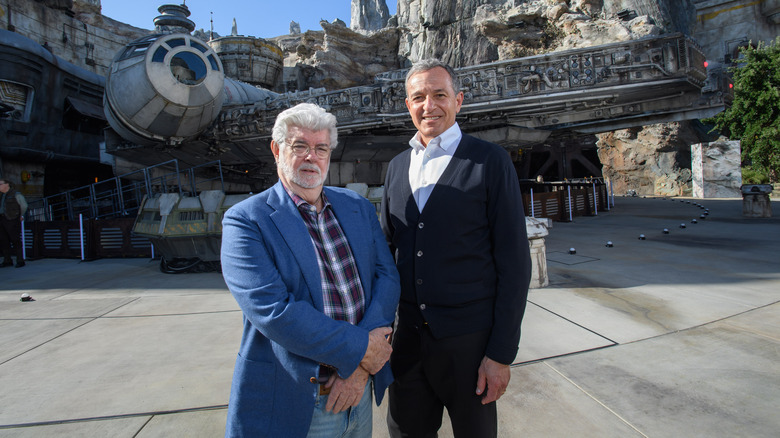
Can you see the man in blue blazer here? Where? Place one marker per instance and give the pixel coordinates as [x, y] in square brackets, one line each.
[312, 273]
[453, 214]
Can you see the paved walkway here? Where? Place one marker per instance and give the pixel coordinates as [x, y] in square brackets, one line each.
[675, 335]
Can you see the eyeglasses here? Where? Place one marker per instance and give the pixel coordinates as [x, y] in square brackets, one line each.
[302, 151]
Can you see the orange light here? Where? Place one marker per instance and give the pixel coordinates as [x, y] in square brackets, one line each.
[706, 64]
[96, 179]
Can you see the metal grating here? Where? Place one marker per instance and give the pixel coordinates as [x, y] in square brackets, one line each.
[111, 238]
[52, 239]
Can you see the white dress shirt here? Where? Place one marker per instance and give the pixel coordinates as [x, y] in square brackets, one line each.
[427, 164]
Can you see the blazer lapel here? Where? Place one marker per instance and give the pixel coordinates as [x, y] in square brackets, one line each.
[295, 235]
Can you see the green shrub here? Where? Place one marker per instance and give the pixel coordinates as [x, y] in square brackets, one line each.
[754, 176]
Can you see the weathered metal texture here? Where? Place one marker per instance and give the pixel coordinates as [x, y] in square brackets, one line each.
[771, 9]
[50, 107]
[584, 89]
[164, 88]
[253, 60]
[587, 90]
[185, 226]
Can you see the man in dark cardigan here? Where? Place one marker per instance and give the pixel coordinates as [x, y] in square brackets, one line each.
[452, 213]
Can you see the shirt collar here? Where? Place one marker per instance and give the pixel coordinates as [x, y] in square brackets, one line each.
[301, 203]
[445, 140]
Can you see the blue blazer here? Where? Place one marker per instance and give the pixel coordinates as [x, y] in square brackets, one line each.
[270, 266]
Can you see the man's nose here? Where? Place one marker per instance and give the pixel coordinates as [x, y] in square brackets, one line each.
[428, 104]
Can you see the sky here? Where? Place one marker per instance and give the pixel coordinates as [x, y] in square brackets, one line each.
[258, 18]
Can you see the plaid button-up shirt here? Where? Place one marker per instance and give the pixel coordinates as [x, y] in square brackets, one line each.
[342, 291]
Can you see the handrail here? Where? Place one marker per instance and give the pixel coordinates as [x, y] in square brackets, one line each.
[121, 196]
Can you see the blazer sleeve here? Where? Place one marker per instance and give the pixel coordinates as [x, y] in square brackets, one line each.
[385, 284]
[386, 223]
[511, 257]
[275, 299]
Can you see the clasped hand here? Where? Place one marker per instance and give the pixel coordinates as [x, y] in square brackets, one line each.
[346, 393]
[378, 351]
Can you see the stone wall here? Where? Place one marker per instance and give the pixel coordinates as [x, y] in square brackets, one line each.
[74, 30]
[651, 160]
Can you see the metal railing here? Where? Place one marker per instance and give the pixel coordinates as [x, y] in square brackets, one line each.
[563, 200]
[121, 196]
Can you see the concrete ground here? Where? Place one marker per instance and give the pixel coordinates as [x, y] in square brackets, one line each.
[677, 335]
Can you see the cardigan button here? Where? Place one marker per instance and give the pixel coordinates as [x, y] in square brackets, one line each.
[419, 281]
[420, 225]
[313, 380]
[419, 253]
[422, 306]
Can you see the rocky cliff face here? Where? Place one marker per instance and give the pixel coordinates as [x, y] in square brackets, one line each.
[651, 160]
[468, 32]
[369, 15]
[74, 30]
[337, 57]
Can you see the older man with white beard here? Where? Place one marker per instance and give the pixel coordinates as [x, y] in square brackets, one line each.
[312, 273]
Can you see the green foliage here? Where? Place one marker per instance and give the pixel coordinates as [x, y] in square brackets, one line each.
[753, 176]
[754, 116]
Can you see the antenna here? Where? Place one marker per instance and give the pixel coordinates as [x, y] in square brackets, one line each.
[211, 32]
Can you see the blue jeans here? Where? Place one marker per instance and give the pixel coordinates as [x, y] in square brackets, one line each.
[354, 422]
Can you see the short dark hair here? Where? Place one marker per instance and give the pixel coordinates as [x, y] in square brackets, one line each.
[429, 64]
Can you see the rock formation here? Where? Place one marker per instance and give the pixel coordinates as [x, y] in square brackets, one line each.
[337, 57]
[74, 30]
[716, 169]
[464, 32]
[369, 15]
[653, 159]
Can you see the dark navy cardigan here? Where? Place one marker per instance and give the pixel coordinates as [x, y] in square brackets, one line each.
[464, 261]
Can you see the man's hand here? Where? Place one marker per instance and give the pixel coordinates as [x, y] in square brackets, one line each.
[496, 376]
[378, 351]
[346, 393]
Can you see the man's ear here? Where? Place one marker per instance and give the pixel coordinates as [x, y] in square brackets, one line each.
[275, 150]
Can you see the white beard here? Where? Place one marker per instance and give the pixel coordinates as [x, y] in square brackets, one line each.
[305, 181]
